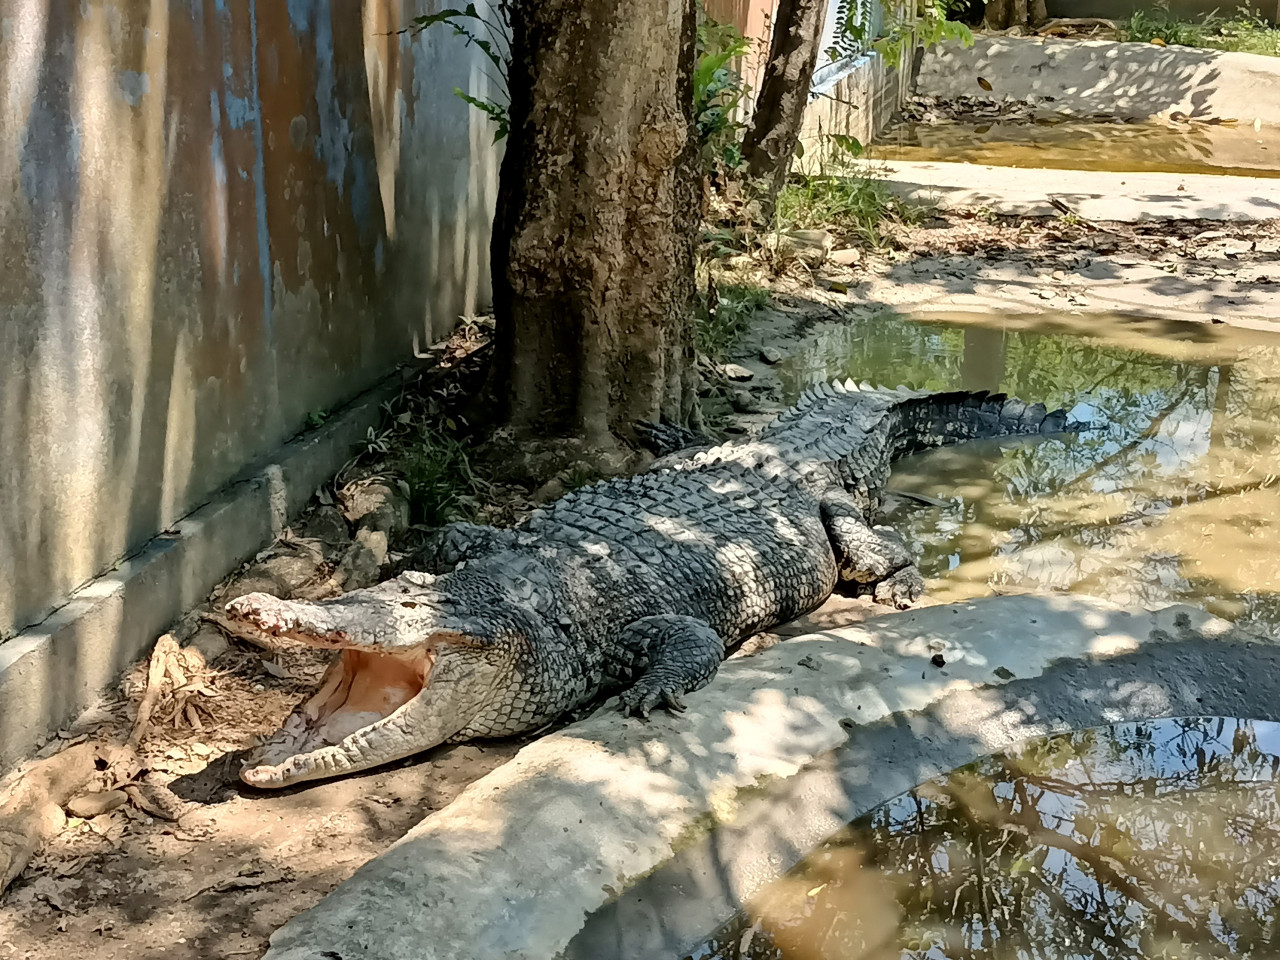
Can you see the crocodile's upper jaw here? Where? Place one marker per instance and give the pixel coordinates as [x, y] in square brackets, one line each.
[375, 704]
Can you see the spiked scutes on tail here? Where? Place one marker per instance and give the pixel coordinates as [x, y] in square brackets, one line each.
[886, 424]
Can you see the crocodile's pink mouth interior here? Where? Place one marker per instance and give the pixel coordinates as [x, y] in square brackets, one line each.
[359, 689]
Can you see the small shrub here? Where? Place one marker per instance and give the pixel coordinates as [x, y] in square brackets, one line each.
[438, 473]
[727, 317]
[718, 91]
[857, 204]
[1246, 32]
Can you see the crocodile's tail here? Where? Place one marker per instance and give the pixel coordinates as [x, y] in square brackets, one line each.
[876, 425]
[926, 420]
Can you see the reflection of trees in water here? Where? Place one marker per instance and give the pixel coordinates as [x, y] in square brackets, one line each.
[1153, 839]
[1189, 434]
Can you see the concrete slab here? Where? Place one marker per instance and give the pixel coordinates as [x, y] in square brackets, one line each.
[513, 867]
[1092, 195]
[55, 670]
[1135, 80]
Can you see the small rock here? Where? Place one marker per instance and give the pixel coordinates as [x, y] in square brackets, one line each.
[771, 355]
[1004, 673]
[90, 805]
[210, 642]
[846, 257]
[327, 525]
[744, 401]
[737, 372]
[376, 541]
[377, 506]
[809, 662]
[938, 660]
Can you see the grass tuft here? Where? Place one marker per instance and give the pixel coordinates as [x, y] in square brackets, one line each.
[857, 205]
[1246, 32]
[720, 327]
[442, 487]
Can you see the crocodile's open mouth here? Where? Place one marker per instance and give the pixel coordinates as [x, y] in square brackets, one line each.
[358, 690]
[385, 697]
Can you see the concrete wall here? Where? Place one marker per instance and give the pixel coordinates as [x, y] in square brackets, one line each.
[1187, 9]
[216, 217]
[859, 104]
[1135, 80]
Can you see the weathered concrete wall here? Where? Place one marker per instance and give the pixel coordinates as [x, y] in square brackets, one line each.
[1099, 76]
[858, 104]
[215, 219]
[1187, 9]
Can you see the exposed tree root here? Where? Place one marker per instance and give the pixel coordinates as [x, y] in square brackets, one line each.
[32, 802]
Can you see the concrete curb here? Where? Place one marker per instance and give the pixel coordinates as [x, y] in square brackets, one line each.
[1092, 195]
[1092, 76]
[56, 669]
[517, 863]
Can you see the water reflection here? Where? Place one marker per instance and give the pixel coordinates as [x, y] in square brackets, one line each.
[1152, 147]
[1157, 839]
[1177, 501]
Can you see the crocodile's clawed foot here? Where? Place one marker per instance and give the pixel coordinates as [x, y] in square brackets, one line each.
[640, 699]
[900, 589]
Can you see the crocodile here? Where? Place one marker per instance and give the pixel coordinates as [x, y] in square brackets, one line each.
[638, 586]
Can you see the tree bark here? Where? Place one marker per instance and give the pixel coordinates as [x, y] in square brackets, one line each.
[596, 223]
[771, 141]
[1003, 14]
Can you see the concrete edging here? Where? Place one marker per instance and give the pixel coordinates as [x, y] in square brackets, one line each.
[54, 670]
[522, 859]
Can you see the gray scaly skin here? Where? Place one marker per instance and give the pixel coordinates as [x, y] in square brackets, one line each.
[637, 585]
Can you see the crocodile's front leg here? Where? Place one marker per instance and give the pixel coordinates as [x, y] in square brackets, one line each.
[877, 558]
[679, 654]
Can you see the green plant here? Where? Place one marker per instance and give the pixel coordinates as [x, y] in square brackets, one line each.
[1246, 32]
[1159, 24]
[916, 23]
[718, 91]
[857, 204]
[729, 310]
[466, 23]
[438, 473]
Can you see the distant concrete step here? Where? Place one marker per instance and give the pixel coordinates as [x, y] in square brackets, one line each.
[1090, 195]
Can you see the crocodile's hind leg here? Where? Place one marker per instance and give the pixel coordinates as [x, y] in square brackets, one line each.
[676, 655]
[876, 558]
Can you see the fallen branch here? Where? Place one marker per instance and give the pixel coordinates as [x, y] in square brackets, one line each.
[1078, 23]
[32, 802]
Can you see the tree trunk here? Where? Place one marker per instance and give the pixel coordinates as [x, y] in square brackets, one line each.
[596, 223]
[1003, 14]
[784, 90]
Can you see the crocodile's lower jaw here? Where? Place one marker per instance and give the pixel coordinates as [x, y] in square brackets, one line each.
[359, 689]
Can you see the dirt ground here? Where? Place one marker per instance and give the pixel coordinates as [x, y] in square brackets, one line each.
[236, 863]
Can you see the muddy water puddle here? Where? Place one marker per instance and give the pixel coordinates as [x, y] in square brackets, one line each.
[1156, 839]
[1144, 147]
[1177, 499]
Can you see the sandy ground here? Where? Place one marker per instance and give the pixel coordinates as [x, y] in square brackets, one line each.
[237, 863]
